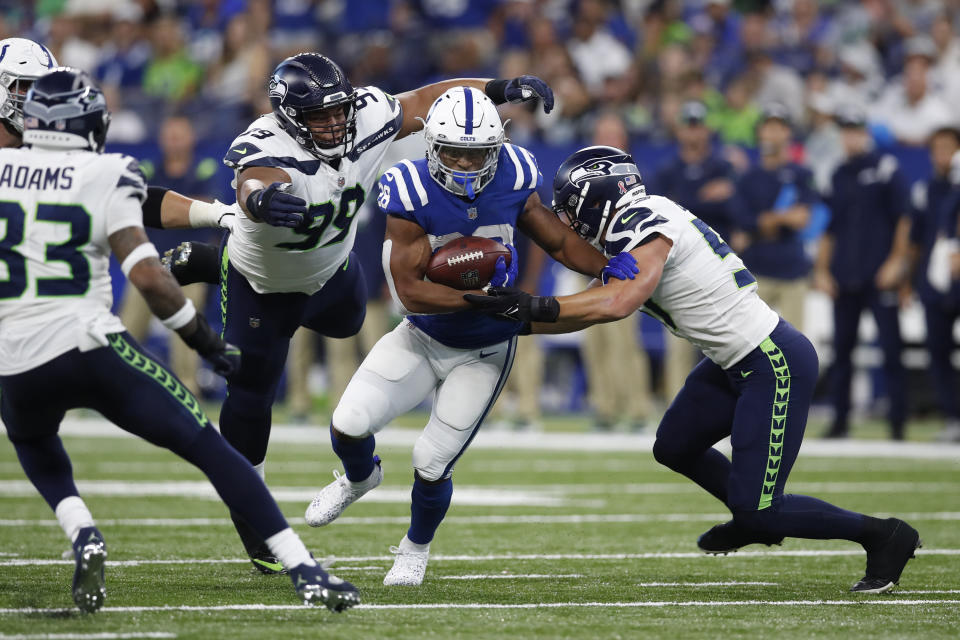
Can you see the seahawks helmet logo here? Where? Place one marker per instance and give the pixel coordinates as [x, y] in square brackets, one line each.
[597, 168]
[278, 88]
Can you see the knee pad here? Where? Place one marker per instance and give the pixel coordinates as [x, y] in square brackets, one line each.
[360, 410]
[428, 462]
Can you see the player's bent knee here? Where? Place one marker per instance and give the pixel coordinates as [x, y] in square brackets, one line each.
[427, 462]
[351, 420]
[666, 453]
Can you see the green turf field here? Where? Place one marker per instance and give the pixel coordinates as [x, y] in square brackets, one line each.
[554, 542]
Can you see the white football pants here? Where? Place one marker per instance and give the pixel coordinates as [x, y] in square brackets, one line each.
[402, 369]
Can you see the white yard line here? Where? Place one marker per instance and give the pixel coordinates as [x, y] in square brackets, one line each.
[511, 576]
[781, 553]
[595, 442]
[89, 636]
[589, 518]
[919, 591]
[731, 583]
[865, 601]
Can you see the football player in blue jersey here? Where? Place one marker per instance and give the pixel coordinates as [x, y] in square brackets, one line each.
[301, 174]
[755, 384]
[472, 183]
[61, 348]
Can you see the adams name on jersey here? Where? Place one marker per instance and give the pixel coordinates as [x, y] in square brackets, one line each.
[706, 294]
[58, 209]
[279, 259]
[408, 191]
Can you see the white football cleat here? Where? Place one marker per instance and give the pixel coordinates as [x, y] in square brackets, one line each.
[408, 567]
[340, 494]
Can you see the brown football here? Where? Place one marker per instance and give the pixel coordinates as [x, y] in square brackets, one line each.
[466, 263]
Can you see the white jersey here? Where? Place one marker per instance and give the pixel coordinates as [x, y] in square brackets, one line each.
[279, 259]
[57, 209]
[706, 294]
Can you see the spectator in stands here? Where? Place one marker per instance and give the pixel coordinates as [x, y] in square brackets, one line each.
[618, 370]
[171, 75]
[934, 218]
[181, 170]
[236, 75]
[124, 59]
[773, 205]
[597, 54]
[802, 35]
[860, 263]
[909, 108]
[860, 80]
[736, 121]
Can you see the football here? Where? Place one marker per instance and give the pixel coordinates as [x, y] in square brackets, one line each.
[466, 263]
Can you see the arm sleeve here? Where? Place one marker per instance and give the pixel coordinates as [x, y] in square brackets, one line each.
[124, 201]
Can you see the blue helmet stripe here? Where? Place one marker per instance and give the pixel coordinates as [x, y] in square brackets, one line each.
[469, 98]
[49, 56]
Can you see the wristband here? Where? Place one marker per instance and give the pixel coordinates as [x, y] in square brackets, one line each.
[181, 318]
[204, 214]
[495, 91]
[151, 207]
[253, 202]
[140, 252]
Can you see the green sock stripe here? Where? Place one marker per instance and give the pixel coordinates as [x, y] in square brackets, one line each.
[778, 420]
[224, 261]
[145, 365]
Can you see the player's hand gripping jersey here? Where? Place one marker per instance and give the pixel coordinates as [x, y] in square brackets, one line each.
[408, 191]
[705, 294]
[57, 210]
[278, 259]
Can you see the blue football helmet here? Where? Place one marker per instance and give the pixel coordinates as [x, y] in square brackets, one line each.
[588, 185]
[308, 83]
[64, 109]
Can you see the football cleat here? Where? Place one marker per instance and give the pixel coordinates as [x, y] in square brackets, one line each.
[728, 537]
[265, 562]
[408, 567]
[885, 562]
[90, 553]
[316, 586]
[340, 494]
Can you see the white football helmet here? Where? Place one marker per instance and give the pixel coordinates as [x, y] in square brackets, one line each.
[21, 62]
[462, 122]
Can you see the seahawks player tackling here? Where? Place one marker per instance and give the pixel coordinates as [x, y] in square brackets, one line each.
[755, 384]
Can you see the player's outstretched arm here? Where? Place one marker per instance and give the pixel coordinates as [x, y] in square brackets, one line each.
[406, 254]
[139, 262]
[262, 194]
[417, 103]
[542, 226]
[167, 209]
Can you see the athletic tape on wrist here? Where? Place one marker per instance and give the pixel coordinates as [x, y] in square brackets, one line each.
[204, 214]
[140, 252]
[181, 318]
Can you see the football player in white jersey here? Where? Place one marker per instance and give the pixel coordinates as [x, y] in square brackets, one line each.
[65, 207]
[21, 62]
[755, 384]
[472, 183]
[301, 174]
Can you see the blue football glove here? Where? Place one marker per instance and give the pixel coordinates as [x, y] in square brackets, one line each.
[504, 276]
[276, 207]
[528, 87]
[622, 266]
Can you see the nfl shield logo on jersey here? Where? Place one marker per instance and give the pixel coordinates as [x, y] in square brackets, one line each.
[472, 213]
[341, 181]
[254, 323]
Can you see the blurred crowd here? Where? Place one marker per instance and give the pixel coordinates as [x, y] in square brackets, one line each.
[639, 58]
[778, 117]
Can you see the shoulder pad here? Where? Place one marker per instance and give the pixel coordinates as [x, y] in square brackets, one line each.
[131, 176]
[522, 167]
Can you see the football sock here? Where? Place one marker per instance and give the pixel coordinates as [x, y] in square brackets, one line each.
[428, 507]
[407, 545]
[48, 467]
[356, 454]
[289, 549]
[798, 516]
[73, 515]
[236, 482]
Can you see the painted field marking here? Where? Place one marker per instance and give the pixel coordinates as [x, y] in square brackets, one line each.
[524, 605]
[512, 576]
[730, 583]
[798, 553]
[919, 591]
[89, 636]
[589, 518]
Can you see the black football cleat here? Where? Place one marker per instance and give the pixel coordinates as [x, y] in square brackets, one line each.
[885, 561]
[728, 537]
[90, 553]
[265, 562]
[316, 586]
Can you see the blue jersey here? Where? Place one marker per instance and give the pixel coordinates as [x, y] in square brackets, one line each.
[408, 191]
